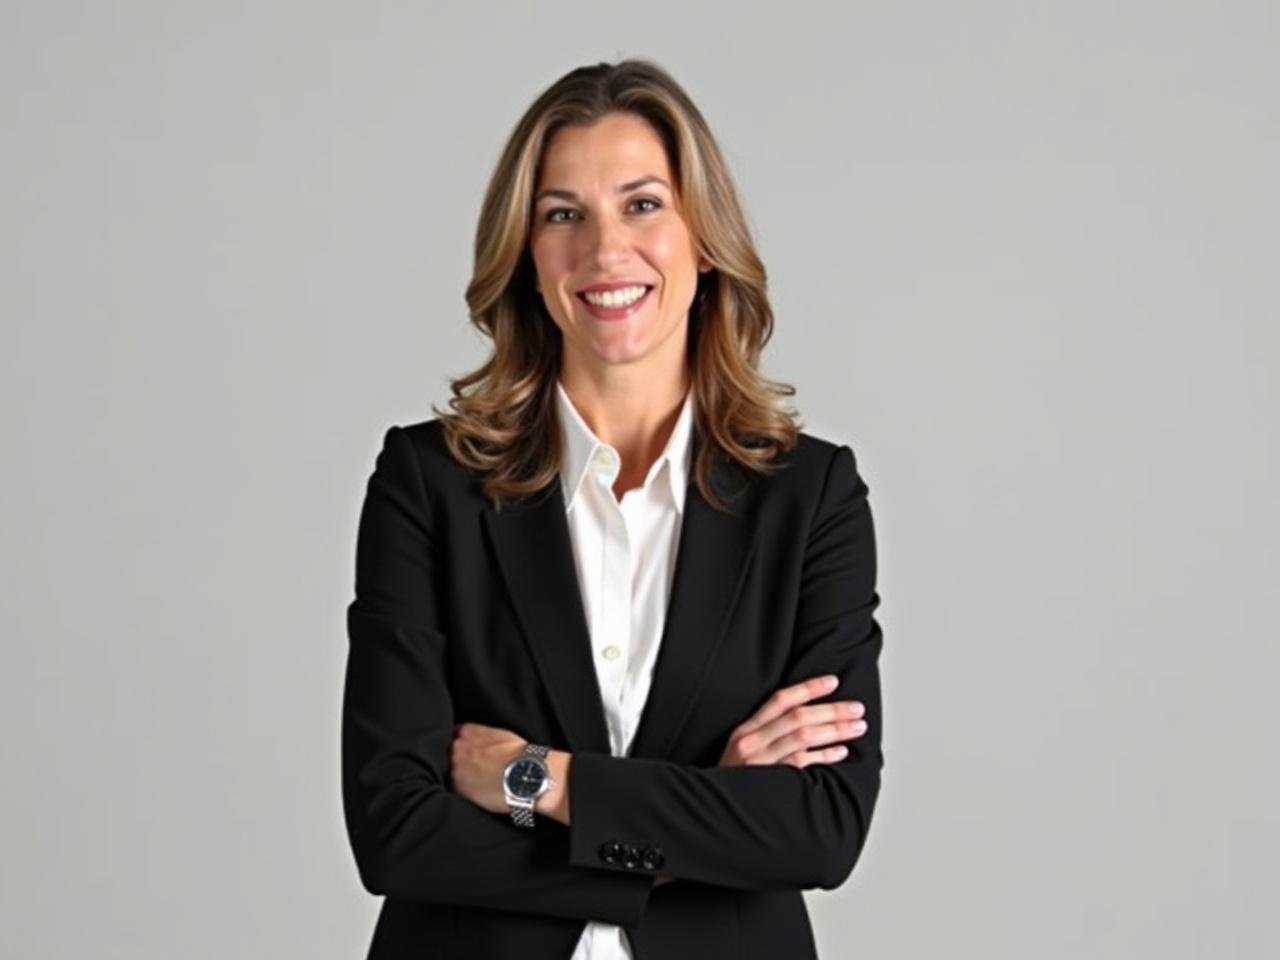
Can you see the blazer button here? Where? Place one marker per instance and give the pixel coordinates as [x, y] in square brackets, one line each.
[630, 857]
[610, 851]
[653, 858]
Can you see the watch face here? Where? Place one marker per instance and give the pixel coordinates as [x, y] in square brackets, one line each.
[525, 779]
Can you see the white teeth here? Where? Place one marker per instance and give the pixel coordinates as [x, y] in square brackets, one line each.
[615, 298]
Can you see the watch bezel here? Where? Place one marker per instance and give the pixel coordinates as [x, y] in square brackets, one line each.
[543, 786]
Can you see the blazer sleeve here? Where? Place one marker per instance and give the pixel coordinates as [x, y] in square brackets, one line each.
[764, 827]
[412, 836]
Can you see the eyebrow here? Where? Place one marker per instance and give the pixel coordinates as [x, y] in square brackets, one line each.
[624, 188]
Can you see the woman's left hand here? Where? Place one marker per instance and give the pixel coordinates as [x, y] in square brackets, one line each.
[478, 756]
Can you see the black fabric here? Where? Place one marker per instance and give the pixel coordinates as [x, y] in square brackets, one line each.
[464, 613]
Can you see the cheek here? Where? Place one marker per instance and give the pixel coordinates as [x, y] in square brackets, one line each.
[671, 251]
[551, 260]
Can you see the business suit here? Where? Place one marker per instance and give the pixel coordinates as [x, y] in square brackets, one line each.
[464, 613]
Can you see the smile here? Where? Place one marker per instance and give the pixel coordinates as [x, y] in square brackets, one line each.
[616, 304]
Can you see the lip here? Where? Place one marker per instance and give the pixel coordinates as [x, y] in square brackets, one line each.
[615, 313]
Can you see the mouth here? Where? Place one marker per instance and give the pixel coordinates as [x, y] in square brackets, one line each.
[619, 312]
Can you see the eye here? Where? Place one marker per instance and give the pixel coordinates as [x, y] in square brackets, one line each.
[553, 215]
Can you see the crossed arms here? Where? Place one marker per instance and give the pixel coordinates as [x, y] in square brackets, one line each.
[754, 827]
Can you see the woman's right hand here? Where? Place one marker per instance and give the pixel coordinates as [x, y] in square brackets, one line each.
[784, 730]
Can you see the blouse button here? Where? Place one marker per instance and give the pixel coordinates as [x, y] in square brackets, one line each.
[611, 652]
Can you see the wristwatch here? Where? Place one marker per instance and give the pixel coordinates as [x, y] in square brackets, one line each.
[525, 779]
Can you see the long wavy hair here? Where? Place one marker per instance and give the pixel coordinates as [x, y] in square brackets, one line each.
[503, 422]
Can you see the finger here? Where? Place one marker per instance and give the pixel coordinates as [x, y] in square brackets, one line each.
[786, 698]
[827, 755]
[760, 738]
[808, 737]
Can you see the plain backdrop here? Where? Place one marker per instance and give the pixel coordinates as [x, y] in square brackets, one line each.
[1023, 258]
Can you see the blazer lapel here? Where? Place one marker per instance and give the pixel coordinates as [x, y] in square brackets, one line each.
[532, 544]
[531, 541]
[712, 559]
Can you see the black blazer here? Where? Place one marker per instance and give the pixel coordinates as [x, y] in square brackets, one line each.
[464, 613]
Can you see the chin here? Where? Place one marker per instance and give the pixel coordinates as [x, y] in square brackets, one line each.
[618, 358]
[623, 347]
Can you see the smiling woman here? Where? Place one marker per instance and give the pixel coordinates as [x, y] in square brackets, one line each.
[617, 269]
[612, 180]
[613, 687]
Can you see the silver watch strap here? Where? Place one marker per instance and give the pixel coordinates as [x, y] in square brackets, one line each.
[522, 815]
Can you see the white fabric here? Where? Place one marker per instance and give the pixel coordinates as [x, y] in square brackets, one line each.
[625, 552]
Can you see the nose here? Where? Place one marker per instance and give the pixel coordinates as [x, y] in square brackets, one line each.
[608, 244]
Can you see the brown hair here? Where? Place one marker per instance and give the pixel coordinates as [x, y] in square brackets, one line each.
[504, 422]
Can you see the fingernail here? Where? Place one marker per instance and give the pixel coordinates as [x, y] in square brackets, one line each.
[831, 680]
[842, 751]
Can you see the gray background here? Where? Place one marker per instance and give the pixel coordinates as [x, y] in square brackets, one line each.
[1023, 258]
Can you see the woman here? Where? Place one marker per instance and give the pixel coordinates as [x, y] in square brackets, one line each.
[612, 688]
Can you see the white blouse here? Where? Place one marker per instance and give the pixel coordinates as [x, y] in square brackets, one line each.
[625, 552]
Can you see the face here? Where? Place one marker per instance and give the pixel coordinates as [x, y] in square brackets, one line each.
[606, 215]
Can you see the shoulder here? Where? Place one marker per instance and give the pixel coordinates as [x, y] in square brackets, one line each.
[423, 443]
[814, 459]
[799, 480]
[426, 437]
[825, 480]
[813, 451]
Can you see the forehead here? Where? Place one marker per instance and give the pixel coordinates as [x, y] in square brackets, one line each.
[614, 147]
